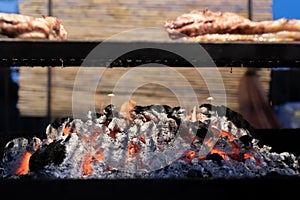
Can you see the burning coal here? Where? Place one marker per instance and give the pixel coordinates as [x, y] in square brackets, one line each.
[156, 141]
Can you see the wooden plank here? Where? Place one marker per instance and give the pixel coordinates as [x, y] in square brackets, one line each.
[33, 93]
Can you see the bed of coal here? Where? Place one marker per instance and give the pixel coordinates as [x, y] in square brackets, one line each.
[149, 150]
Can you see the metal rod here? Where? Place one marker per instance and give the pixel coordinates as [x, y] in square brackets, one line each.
[49, 94]
[49, 77]
[250, 9]
[49, 7]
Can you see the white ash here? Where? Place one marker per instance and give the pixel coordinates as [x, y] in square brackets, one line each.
[158, 145]
[71, 167]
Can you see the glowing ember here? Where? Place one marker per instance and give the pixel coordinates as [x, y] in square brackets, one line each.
[155, 141]
[24, 164]
[87, 169]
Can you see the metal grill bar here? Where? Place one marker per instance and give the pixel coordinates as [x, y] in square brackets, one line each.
[74, 53]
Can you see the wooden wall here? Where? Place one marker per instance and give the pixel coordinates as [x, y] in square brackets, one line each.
[103, 19]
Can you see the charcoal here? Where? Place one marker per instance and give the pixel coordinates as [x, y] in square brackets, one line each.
[232, 116]
[59, 121]
[94, 115]
[160, 108]
[110, 112]
[13, 152]
[47, 154]
[201, 130]
[247, 140]
[224, 146]
[215, 157]
[16, 155]
[158, 141]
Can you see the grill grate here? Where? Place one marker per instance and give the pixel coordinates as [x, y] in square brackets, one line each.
[74, 53]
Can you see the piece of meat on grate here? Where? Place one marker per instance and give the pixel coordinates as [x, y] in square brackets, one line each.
[222, 26]
[29, 27]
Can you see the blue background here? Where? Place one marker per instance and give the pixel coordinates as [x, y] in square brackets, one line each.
[289, 9]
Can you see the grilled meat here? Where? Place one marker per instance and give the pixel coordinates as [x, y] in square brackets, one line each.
[223, 26]
[23, 26]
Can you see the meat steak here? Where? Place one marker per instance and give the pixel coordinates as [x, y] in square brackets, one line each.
[222, 26]
[27, 27]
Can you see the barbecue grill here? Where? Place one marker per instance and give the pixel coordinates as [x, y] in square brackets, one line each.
[237, 54]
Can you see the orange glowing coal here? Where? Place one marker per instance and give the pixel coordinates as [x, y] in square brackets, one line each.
[220, 152]
[189, 155]
[209, 142]
[69, 128]
[249, 155]
[132, 148]
[227, 134]
[87, 169]
[24, 164]
[99, 156]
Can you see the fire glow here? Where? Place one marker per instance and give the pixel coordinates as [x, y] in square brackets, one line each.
[156, 141]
